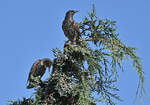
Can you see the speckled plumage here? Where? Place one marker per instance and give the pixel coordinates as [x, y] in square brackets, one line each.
[37, 70]
[70, 27]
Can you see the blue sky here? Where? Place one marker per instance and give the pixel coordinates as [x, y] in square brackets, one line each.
[29, 29]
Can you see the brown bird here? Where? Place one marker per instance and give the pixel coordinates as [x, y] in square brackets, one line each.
[70, 27]
[37, 71]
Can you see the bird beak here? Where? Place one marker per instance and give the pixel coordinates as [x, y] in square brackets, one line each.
[49, 69]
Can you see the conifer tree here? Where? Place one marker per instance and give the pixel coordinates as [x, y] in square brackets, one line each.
[90, 67]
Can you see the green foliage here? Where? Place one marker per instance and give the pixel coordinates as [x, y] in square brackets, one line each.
[81, 70]
[25, 101]
[35, 81]
[110, 51]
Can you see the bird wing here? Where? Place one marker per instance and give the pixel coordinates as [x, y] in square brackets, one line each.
[33, 69]
[76, 27]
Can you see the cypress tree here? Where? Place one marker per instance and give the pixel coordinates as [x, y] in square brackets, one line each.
[87, 68]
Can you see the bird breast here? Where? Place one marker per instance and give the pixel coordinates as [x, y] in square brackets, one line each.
[68, 29]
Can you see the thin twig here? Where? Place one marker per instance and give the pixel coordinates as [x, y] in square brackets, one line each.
[93, 39]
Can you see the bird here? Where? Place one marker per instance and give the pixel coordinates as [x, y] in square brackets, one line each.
[70, 27]
[37, 71]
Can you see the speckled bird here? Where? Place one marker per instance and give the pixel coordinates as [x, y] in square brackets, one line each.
[70, 27]
[37, 71]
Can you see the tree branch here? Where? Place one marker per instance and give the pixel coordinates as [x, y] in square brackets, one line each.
[93, 39]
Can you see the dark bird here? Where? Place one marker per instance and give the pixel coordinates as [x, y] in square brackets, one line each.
[70, 27]
[37, 71]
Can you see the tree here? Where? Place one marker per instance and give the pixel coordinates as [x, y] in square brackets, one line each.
[89, 67]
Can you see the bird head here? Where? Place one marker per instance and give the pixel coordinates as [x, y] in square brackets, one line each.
[47, 62]
[71, 13]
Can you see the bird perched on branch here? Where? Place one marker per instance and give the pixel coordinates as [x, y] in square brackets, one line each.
[70, 27]
[37, 71]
